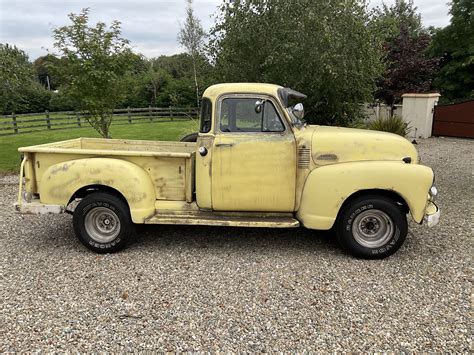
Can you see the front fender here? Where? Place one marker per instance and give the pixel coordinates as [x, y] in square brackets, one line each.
[327, 187]
[60, 182]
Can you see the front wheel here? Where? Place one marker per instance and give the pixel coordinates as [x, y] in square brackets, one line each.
[372, 227]
[102, 222]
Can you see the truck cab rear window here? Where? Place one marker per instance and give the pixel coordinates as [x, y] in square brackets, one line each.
[206, 115]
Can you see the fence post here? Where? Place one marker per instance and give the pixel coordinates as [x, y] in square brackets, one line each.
[15, 126]
[171, 113]
[48, 119]
[150, 113]
[78, 118]
[129, 115]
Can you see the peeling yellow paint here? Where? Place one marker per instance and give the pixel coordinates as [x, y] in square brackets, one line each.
[59, 185]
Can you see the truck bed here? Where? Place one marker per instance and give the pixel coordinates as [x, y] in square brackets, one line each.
[100, 146]
[170, 165]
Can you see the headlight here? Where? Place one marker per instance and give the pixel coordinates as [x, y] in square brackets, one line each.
[433, 193]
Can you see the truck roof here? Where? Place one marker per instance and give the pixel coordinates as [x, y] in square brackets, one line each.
[217, 90]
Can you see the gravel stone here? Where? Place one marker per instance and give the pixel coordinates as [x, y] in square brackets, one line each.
[182, 288]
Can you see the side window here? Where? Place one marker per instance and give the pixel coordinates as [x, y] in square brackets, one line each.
[206, 116]
[271, 119]
[242, 115]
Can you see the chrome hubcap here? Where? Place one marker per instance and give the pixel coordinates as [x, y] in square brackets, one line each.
[372, 228]
[102, 224]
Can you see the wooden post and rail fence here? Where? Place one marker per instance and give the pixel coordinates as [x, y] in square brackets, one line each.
[44, 121]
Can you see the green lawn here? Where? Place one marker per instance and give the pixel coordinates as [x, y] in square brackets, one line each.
[10, 158]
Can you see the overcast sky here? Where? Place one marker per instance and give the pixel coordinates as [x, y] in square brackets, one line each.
[151, 25]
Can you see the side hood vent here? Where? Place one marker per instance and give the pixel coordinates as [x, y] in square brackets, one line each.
[327, 156]
[304, 157]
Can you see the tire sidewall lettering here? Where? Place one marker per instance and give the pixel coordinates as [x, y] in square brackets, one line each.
[397, 238]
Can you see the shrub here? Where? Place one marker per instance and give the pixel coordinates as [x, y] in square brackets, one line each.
[393, 124]
[33, 98]
[60, 102]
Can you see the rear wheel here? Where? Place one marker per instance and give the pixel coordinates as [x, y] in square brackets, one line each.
[372, 227]
[102, 222]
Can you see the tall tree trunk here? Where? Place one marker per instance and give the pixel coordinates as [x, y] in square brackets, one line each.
[196, 83]
[154, 94]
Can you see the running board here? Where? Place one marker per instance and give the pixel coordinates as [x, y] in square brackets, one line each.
[222, 220]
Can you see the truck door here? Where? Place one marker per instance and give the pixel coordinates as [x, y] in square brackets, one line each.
[253, 156]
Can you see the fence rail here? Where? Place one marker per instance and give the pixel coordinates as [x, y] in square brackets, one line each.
[44, 121]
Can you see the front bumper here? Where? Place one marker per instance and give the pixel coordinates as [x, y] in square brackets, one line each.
[432, 215]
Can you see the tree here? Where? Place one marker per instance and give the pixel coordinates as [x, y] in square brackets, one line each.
[15, 76]
[407, 66]
[156, 78]
[455, 45]
[388, 20]
[46, 68]
[192, 37]
[97, 60]
[321, 48]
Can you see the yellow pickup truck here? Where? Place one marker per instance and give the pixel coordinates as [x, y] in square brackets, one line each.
[255, 163]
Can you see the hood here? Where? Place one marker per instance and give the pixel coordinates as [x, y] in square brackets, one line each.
[336, 145]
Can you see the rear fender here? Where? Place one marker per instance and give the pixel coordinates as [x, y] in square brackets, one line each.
[328, 187]
[61, 181]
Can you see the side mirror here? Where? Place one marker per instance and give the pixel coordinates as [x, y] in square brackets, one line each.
[298, 111]
[258, 106]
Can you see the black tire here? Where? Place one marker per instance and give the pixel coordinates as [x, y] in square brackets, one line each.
[372, 227]
[102, 222]
[192, 137]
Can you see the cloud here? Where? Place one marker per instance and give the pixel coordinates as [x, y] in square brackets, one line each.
[151, 25]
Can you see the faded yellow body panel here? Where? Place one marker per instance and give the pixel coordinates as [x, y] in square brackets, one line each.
[254, 172]
[327, 188]
[215, 91]
[168, 177]
[204, 172]
[169, 165]
[115, 147]
[62, 180]
[338, 145]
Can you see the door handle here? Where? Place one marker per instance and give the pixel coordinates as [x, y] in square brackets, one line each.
[224, 145]
[202, 151]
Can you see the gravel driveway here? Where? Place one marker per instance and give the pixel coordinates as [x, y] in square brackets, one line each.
[202, 288]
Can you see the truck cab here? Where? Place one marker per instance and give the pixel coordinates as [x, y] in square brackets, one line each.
[255, 163]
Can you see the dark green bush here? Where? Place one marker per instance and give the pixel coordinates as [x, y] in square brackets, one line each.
[60, 102]
[34, 98]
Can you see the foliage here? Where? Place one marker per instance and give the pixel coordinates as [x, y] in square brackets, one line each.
[167, 81]
[192, 37]
[59, 101]
[407, 66]
[15, 76]
[388, 20]
[46, 68]
[34, 98]
[323, 49]
[97, 60]
[393, 124]
[455, 45]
